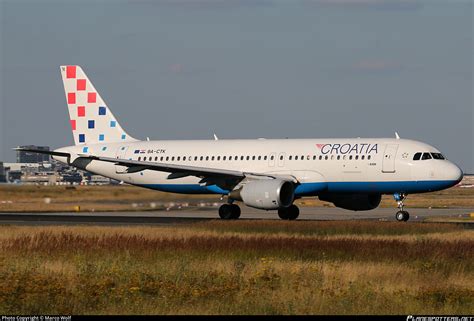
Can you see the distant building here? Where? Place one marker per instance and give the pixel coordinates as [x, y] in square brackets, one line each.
[28, 157]
[3, 177]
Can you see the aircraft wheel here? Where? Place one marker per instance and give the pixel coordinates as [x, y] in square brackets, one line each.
[407, 216]
[289, 213]
[225, 211]
[402, 216]
[235, 209]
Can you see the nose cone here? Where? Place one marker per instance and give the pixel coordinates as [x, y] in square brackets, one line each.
[453, 173]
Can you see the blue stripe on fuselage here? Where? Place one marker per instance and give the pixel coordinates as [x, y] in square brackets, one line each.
[308, 189]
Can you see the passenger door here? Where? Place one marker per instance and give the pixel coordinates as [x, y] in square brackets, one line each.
[388, 162]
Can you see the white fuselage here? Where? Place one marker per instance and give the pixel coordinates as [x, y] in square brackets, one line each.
[360, 165]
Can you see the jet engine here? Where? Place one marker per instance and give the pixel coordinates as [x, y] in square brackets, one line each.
[353, 202]
[266, 194]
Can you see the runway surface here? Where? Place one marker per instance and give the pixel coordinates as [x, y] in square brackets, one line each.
[189, 216]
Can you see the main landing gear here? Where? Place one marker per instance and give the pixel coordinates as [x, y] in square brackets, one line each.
[289, 213]
[229, 211]
[401, 216]
[232, 212]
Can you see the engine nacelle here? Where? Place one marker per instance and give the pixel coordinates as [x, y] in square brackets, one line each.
[353, 202]
[266, 194]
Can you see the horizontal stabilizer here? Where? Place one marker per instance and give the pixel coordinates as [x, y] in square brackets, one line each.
[41, 151]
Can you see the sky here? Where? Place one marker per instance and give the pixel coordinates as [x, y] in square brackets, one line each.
[184, 69]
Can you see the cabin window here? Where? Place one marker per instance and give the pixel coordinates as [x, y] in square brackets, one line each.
[172, 158]
[362, 157]
[223, 157]
[369, 157]
[332, 157]
[161, 158]
[207, 158]
[201, 158]
[253, 157]
[296, 157]
[281, 157]
[350, 157]
[417, 156]
[178, 158]
[259, 157]
[357, 157]
[426, 156]
[265, 157]
[167, 158]
[338, 157]
[139, 158]
[156, 158]
[289, 157]
[314, 157]
[326, 157]
[272, 157]
[320, 157]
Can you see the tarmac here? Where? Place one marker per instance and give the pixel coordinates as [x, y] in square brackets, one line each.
[189, 216]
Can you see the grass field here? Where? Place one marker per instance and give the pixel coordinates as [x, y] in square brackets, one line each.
[238, 267]
[30, 198]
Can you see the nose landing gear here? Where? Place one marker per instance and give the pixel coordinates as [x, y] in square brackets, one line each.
[401, 215]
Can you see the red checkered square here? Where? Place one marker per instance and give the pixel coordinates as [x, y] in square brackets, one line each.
[73, 124]
[81, 84]
[71, 72]
[71, 98]
[81, 111]
[91, 97]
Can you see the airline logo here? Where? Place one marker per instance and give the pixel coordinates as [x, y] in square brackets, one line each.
[91, 120]
[139, 151]
[342, 149]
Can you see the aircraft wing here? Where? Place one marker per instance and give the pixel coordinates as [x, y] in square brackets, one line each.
[223, 177]
[138, 166]
[178, 171]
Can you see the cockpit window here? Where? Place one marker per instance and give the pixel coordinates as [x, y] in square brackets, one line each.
[417, 156]
[437, 156]
[426, 156]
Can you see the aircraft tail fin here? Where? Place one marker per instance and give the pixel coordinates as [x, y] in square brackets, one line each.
[91, 120]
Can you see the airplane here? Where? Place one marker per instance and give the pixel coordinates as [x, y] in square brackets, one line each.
[267, 174]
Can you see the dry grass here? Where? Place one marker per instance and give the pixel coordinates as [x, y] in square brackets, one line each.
[242, 267]
[28, 198]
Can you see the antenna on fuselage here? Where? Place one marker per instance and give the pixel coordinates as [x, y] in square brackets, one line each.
[397, 136]
[215, 137]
